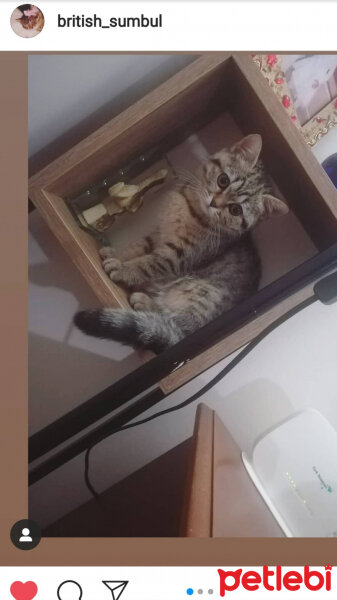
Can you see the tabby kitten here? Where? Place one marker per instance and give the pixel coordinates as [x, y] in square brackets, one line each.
[199, 262]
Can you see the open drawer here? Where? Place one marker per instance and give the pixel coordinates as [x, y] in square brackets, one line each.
[216, 91]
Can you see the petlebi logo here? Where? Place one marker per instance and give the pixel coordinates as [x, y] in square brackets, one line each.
[275, 578]
[324, 485]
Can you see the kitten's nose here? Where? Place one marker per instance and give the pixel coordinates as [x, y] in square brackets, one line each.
[213, 203]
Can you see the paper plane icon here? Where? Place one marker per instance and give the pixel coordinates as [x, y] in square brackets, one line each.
[116, 588]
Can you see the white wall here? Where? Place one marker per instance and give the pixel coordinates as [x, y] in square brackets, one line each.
[65, 89]
[292, 369]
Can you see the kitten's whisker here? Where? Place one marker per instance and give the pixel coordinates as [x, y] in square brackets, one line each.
[194, 188]
[186, 174]
[187, 179]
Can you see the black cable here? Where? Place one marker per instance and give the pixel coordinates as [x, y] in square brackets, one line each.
[238, 358]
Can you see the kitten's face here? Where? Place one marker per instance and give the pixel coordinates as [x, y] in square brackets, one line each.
[32, 22]
[236, 189]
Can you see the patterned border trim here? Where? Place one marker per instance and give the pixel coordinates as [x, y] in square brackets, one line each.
[320, 124]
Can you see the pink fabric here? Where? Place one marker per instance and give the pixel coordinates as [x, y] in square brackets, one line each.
[31, 11]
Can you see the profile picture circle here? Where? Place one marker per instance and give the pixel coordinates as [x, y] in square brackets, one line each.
[27, 20]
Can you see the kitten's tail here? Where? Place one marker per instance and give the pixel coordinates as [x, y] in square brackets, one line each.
[141, 329]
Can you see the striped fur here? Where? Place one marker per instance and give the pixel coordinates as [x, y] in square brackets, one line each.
[199, 262]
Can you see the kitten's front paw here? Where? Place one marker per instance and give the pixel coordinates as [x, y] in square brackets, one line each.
[107, 252]
[113, 268]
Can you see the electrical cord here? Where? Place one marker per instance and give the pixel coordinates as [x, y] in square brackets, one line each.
[227, 369]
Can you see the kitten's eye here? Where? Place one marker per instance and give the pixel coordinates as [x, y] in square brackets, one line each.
[223, 181]
[235, 209]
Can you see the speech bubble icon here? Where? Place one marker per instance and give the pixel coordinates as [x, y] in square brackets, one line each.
[69, 590]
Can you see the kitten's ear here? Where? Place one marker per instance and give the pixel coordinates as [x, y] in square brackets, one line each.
[273, 206]
[250, 148]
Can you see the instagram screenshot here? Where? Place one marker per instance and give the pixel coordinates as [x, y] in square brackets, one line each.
[168, 299]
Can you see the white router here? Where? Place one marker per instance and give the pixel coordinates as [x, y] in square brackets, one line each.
[294, 467]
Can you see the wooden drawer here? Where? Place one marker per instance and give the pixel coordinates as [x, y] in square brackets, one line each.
[220, 499]
[210, 85]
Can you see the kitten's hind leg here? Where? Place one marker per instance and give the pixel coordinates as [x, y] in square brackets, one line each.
[194, 301]
[141, 301]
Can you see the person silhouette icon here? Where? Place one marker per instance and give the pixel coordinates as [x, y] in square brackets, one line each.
[25, 535]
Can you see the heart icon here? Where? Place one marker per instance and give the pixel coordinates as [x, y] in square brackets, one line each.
[24, 591]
